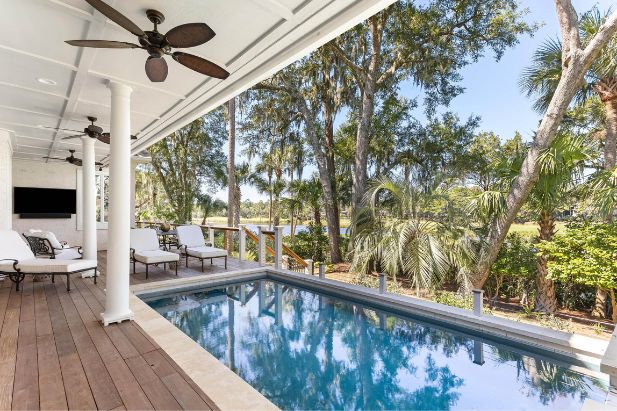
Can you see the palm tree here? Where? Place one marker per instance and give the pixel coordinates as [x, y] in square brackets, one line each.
[388, 236]
[542, 77]
[561, 167]
[209, 206]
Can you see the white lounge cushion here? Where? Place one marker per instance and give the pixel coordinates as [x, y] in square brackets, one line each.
[144, 239]
[53, 240]
[43, 265]
[68, 254]
[13, 246]
[190, 236]
[206, 252]
[155, 256]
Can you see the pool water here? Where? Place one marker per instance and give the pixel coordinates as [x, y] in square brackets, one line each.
[303, 350]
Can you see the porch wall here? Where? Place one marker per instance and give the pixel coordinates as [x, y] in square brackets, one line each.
[6, 188]
[50, 175]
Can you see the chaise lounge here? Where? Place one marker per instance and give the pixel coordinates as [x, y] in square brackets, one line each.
[192, 244]
[46, 244]
[17, 260]
[145, 249]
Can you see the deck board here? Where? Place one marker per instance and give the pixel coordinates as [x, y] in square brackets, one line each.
[55, 354]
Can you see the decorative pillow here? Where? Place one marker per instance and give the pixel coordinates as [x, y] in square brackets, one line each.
[51, 237]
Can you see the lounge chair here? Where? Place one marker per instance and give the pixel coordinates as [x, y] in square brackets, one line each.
[145, 249]
[17, 260]
[192, 244]
[46, 244]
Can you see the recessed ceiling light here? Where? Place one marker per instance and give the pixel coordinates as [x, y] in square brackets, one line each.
[46, 81]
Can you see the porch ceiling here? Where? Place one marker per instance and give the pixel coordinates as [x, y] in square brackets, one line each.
[255, 38]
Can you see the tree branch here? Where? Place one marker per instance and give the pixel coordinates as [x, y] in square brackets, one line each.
[606, 31]
[568, 23]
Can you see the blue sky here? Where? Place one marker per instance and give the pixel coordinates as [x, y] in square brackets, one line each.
[491, 89]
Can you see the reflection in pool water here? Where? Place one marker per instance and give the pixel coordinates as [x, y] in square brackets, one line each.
[303, 350]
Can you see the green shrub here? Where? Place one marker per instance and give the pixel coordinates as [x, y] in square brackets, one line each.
[585, 253]
[311, 243]
[513, 273]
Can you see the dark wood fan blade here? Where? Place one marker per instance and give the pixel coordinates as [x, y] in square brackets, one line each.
[117, 17]
[133, 137]
[54, 158]
[103, 44]
[104, 138]
[156, 69]
[98, 164]
[200, 65]
[189, 35]
[71, 137]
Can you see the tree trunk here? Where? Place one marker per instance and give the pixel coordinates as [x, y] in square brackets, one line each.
[328, 194]
[328, 114]
[231, 171]
[367, 110]
[317, 216]
[546, 299]
[576, 64]
[607, 91]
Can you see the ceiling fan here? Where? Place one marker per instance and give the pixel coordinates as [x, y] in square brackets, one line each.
[158, 44]
[71, 159]
[92, 131]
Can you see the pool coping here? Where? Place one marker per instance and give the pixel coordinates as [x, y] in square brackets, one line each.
[218, 381]
[224, 387]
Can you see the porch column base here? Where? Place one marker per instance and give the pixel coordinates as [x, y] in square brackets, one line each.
[112, 318]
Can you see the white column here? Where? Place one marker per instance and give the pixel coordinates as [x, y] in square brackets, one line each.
[88, 210]
[6, 181]
[117, 291]
[132, 207]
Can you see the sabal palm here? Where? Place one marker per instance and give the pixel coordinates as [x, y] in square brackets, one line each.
[542, 77]
[389, 237]
[561, 168]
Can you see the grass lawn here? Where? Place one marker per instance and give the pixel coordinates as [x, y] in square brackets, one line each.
[531, 228]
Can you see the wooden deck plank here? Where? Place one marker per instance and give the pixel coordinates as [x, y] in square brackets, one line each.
[8, 349]
[52, 395]
[78, 392]
[103, 389]
[55, 354]
[157, 392]
[26, 384]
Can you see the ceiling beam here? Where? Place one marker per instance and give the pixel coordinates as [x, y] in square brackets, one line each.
[86, 57]
[276, 7]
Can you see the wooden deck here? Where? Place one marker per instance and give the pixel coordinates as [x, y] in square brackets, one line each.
[55, 354]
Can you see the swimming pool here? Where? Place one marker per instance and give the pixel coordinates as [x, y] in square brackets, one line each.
[306, 350]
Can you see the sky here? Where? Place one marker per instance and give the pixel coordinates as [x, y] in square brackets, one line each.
[491, 87]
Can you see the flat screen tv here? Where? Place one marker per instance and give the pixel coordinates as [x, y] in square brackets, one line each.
[30, 202]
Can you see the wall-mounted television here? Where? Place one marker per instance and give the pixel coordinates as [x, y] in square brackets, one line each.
[31, 202]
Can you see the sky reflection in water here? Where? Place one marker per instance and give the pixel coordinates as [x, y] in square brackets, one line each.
[306, 351]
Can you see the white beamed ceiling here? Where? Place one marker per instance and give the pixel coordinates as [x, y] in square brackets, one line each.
[255, 38]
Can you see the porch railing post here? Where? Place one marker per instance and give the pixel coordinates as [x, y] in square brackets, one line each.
[382, 283]
[261, 246]
[278, 246]
[242, 249]
[211, 235]
[322, 270]
[309, 267]
[478, 297]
